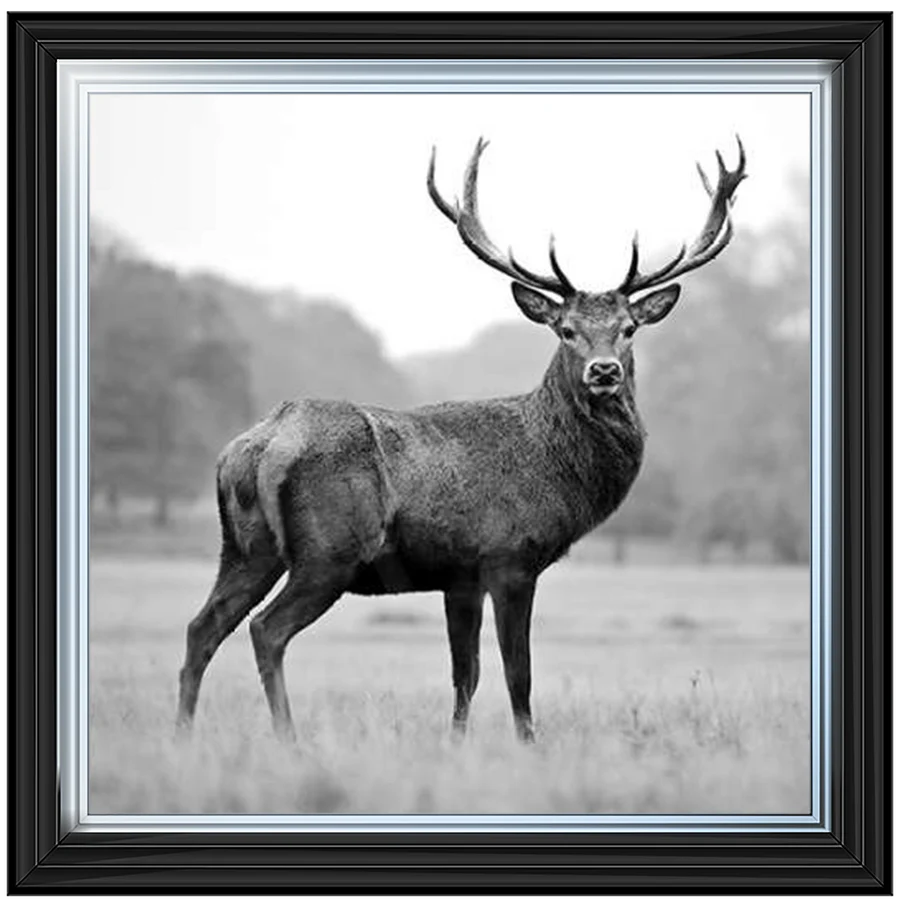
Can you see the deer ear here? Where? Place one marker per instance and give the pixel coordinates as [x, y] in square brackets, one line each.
[538, 307]
[656, 306]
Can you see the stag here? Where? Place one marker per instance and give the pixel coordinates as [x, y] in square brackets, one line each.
[465, 498]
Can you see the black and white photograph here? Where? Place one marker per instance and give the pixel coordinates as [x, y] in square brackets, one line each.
[450, 454]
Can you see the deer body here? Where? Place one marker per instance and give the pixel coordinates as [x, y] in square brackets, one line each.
[465, 498]
[432, 498]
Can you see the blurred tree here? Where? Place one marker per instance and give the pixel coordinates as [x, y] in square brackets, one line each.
[168, 381]
[650, 510]
[726, 396]
[180, 364]
[504, 359]
[302, 347]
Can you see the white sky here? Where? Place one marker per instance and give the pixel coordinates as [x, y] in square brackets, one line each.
[326, 193]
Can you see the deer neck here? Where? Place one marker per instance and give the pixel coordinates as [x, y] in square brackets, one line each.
[595, 443]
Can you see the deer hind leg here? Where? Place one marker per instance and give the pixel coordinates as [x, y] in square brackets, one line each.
[241, 584]
[331, 522]
[513, 599]
[302, 600]
[463, 608]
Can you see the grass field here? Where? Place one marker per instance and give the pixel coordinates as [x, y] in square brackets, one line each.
[656, 690]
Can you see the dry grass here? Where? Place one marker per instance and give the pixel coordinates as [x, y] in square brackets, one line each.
[656, 691]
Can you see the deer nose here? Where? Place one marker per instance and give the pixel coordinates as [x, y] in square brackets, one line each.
[603, 372]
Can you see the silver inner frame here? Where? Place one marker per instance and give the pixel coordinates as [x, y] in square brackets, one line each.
[77, 81]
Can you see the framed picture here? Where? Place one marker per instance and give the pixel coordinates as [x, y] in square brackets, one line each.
[269, 379]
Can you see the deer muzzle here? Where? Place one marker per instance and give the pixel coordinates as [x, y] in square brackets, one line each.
[603, 376]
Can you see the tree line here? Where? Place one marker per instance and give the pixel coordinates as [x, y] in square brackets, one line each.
[725, 391]
[180, 364]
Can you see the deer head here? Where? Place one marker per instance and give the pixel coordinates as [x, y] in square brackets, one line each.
[596, 329]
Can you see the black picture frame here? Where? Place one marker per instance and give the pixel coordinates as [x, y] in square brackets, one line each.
[854, 858]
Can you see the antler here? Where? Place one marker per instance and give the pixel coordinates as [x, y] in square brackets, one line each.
[711, 241]
[470, 229]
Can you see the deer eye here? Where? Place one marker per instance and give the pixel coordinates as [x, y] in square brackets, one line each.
[628, 330]
[566, 333]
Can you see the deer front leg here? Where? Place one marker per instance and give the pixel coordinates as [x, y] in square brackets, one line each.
[463, 608]
[513, 599]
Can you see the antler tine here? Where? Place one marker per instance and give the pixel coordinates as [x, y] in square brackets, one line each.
[474, 236]
[557, 269]
[742, 156]
[634, 281]
[721, 201]
[706, 185]
[450, 212]
[633, 265]
[711, 252]
[715, 235]
[560, 285]
[723, 171]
